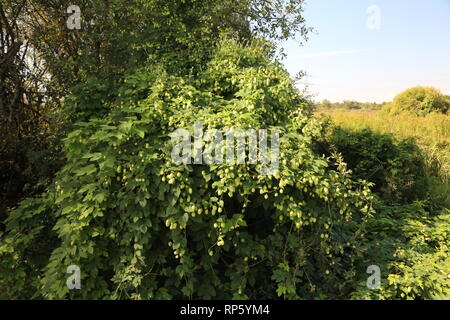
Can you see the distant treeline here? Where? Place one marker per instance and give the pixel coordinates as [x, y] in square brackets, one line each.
[350, 105]
[418, 100]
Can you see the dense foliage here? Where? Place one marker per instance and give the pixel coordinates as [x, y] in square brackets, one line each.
[411, 246]
[29, 135]
[408, 239]
[420, 101]
[121, 35]
[42, 62]
[396, 168]
[141, 227]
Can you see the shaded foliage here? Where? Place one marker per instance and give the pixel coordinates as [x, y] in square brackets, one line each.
[29, 135]
[397, 168]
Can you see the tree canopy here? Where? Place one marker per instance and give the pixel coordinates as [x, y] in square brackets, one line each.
[419, 100]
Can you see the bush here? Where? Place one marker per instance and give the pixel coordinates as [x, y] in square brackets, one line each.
[420, 101]
[411, 246]
[141, 227]
[396, 168]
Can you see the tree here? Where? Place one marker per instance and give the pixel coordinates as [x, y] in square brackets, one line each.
[28, 151]
[420, 101]
[45, 66]
[326, 104]
[351, 105]
[120, 35]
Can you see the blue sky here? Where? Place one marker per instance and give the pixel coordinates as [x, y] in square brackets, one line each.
[354, 56]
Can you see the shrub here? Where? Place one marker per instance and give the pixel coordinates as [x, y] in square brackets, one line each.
[411, 246]
[396, 168]
[141, 227]
[420, 101]
[25, 252]
[30, 155]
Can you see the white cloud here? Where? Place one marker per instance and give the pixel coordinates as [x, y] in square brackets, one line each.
[330, 53]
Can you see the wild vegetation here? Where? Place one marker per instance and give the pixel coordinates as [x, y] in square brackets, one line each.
[431, 133]
[407, 156]
[419, 101]
[326, 105]
[88, 178]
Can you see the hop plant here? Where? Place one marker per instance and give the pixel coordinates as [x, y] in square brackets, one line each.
[140, 226]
